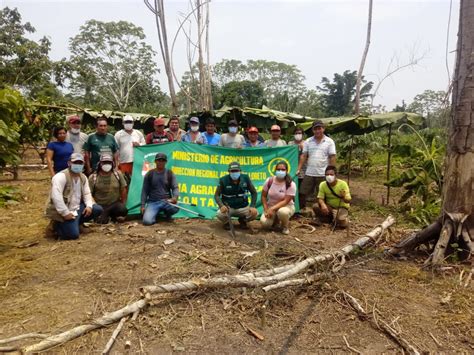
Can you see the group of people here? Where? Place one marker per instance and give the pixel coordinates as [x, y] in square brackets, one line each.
[90, 174]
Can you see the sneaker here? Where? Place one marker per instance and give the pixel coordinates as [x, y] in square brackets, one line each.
[121, 219]
[285, 231]
[84, 230]
[316, 222]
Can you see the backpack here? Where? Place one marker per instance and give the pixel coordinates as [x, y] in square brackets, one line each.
[167, 178]
[94, 179]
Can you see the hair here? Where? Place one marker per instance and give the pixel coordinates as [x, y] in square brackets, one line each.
[331, 167]
[299, 129]
[102, 118]
[288, 179]
[210, 121]
[56, 131]
[173, 118]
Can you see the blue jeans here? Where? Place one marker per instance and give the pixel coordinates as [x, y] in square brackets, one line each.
[70, 229]
[153, 208]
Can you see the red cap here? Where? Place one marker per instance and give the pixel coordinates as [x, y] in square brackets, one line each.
[253, 129]
[159, 122]
[275, 127]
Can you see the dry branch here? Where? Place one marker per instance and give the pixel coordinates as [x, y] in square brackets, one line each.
[22, 337]
[114, 336]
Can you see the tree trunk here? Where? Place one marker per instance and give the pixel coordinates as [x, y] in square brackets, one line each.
[457, 216]
[362, 62]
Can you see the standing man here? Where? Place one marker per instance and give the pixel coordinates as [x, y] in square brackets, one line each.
[126, 139]
[253, 141]
[174, 128]
[232, 139]
[193, 135]
[211, 136]
[160, 191]
[319, 151]
[333, 200]
[74, 134]
[98, 143]
[232, 197]
[70, 203]
[275, 140]
[159, 136]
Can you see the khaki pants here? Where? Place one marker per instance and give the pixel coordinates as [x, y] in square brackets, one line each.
[241, 213]
[342, 216]
[283, 215]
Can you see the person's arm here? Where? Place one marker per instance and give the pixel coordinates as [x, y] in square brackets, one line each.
[123, 187]
[49, 160]
[332, 154]
[174, 188]
[148, 138]
[282, 203]
[57, 187]
[116, 158]
[332, 160]
[87, 197]
[141, 138]
[145, 190]
[301, 162]
[87, 161]
[217, 197]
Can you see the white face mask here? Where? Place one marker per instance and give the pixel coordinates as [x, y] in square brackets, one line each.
[75, 130]
[128, 126]
[107, 167]
[298, 137]
[194, 128]
[330, 178]
[232, 129]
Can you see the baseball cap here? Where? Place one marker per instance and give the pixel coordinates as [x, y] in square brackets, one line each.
[159, 122]
[127, 118]
[318, 123]
[161, 156]
[106, 157]
[233, 123]
[76, 157]
[74, 119]
[275, 127]
[253, 129]
[194, 120]
[234, 166]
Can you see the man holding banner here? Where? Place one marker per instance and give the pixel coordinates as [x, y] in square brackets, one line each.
[232, 197]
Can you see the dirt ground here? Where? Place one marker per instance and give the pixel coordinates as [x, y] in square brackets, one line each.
[49, 286]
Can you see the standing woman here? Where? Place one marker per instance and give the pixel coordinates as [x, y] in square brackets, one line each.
[298, 139]
[58, 152]
[278, 194]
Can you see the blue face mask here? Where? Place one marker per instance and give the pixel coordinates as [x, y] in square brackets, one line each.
[280, 174]
[235, 176]
[232, 129]
[77, 168]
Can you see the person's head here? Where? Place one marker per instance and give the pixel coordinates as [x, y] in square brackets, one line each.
[76, 163]
[101, 126]
[74, 124]
[160, 161]
[194, 124]
[210, 126]
[233, 127]
[330, 174]
[299, 134]
[318, 129]
[127, 122]
[174, 123]
[275, 131]
[59, 133]
[253, 134]
[106, 162]
[281, 172]
[159, 125]
[234, 170]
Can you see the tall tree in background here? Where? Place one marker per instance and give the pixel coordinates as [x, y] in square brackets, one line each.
[158, 10]
[242, 94]
[432, 105]
[362, 62]
[110, 59]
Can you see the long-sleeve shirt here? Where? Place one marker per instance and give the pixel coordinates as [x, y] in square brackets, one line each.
[58, 184]
[159, 186]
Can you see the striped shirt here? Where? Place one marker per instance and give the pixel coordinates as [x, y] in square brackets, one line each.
[318, 154]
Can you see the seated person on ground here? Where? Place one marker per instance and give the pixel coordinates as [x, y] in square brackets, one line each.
[109, 189]
[232, 197]
[70, 202]
[333, 200]
[278, 194]
[160, 191]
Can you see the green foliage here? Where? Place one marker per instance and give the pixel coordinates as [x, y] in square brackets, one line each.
[338, 95]
[11, 113]
[432, 105]
[241, 93]
[8, 195]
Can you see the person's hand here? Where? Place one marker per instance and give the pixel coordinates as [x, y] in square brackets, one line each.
[253, 211]
[142, 210]
[87, 211]
[223, 209]
[173, 200]
[135, 144]
[325, 210]
[269, 213]
[69, 217]
[297, 172]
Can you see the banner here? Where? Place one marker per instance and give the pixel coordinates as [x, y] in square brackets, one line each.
[199, 167]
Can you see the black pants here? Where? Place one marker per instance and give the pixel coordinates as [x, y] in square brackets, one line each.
[112, 211]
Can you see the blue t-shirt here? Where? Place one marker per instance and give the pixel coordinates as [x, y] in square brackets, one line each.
[212, 140]
[62, 153]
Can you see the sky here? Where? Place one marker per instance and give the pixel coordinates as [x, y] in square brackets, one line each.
[319, 37]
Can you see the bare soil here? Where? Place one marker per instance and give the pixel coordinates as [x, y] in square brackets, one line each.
[49, 286]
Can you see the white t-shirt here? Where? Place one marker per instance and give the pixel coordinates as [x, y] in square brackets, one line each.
[318, 155]
[125, 142]
[278, 191]
[77, 140]
[273, 143]
[238, 141]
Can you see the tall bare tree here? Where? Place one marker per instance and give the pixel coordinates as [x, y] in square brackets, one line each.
[158, 10]
[362, 62]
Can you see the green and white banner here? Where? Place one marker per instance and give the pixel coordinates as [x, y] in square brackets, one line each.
[199, 167]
